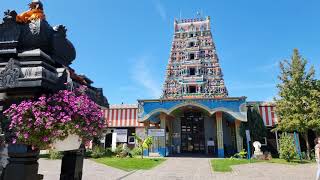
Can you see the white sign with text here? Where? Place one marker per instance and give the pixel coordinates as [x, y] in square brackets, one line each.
[122, 135]
[156, 132]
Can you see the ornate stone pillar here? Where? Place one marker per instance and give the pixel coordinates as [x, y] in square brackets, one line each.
[220, 134]
[238, 137]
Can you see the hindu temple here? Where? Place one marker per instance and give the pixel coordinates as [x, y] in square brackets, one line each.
[194, 114]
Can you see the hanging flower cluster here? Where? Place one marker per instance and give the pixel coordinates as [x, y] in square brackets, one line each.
[40, 122]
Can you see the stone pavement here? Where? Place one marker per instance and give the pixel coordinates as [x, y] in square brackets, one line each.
[269, 171]
[91, 170]
[177, 168]
[186, 168]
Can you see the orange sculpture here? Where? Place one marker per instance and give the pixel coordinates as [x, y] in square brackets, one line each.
[36, 12]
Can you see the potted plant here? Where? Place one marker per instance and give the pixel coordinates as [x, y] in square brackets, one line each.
[63, 120]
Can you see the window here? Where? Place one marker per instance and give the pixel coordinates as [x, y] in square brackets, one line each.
[191, 44]
[131, 140]
[191, 56]
[202, 54]
[191, 35]
[192, 71]
[192, 89]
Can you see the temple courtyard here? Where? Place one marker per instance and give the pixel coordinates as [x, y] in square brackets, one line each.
[186, 168]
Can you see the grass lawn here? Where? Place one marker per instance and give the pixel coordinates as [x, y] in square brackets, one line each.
[224, 165]
[129, 164]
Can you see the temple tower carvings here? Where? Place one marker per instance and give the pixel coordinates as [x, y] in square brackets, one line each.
[193, 70]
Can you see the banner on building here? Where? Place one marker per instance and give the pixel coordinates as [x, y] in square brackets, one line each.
[156, 132]
[122, 135]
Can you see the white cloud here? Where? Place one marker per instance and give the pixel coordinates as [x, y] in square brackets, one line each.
[142, 75]
[160, 9]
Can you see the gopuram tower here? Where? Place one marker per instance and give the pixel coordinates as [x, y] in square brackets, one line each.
[193, 70]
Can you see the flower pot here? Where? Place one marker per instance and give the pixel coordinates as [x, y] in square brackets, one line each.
[72, 142]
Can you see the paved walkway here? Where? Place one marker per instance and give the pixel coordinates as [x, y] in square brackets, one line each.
[269, 171]
[91, 170]
[177, 168]
[186, 168]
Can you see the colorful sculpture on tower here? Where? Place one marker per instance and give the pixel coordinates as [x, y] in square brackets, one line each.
[193, 70]
[36, 12]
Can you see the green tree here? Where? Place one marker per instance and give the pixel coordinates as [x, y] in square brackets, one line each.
[295, 101]
[255, 124]
[143, 143]
[287, 147]
[315, 104]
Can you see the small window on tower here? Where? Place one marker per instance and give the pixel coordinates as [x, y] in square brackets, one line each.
[192, 71]
[192, 89]
[191, 56]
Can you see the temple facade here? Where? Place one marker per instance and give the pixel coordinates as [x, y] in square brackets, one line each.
[194, 114]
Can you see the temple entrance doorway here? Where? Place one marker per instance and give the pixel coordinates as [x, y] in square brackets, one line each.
[192, 132]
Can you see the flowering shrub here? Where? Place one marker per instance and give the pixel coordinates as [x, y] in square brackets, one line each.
[40, 122]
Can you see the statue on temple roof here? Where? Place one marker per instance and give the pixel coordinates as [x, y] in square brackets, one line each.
[30, 31]
[34, 13]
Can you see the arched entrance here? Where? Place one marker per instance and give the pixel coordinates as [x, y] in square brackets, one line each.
[187, 130]
[192, 132]
[196, 126]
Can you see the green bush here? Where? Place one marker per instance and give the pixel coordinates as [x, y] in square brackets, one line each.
[240, 155]
[88, 153]
[118, 150]
[108, 152]
[304, 155]
[313, 155]
[98, 152]
[136, 151]
[55, 155]
[287, 147]
[122, 151]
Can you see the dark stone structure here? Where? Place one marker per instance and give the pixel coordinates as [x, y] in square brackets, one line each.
[71, 167]
[19, 37]
[34, 60]
[23, 160]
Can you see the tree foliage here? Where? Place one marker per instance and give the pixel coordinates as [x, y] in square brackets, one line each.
[298, 101]
[143, 143]
[287, 147]
[255, 124]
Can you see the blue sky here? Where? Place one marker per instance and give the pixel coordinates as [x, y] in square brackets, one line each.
[124, 46]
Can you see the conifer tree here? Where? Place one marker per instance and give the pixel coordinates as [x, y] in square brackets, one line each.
[295, 103]
[255, 124]
[315, 106]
